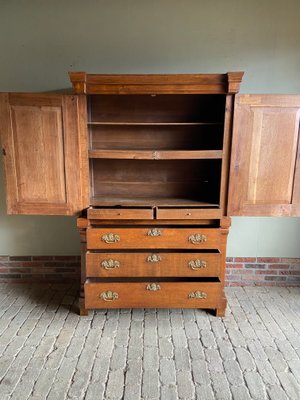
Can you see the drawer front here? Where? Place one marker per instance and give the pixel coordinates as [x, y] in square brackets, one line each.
[152, 264]
[154, 295]
[188, 213]
[120, 213]
[153, 238]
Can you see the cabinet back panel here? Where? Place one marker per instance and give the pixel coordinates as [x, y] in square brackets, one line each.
[157, 108]
[202, 137]
[193, 179]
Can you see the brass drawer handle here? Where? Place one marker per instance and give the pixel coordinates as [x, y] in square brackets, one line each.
[196, 239]
[110, 238]
[197, 295]
[154, 258]
[109, 296]
[110, 264]
[197, 264]
[153, 287]
[154, 232]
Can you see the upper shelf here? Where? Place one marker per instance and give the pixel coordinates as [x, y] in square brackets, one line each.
[156, 84]
[156, 155]
[154, 123]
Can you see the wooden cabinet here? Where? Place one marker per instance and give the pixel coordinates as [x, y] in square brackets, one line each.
[45, 153]
[144, 161]
[156, 230]
[265, 159]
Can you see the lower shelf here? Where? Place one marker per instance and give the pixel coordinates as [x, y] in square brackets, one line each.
[154, 294]
[113, 201]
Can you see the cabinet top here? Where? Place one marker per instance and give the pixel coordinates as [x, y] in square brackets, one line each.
[84, 83]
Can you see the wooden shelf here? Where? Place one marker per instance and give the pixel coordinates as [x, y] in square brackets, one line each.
[149, 201]
[156, 154]
[124, 123]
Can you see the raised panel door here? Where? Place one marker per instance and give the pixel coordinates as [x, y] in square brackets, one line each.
[45, 155]
[264, 174]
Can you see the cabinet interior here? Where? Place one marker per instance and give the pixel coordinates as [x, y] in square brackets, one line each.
[148, 150]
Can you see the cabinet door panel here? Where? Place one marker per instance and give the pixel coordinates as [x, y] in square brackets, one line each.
[44, 149]
[264, 172]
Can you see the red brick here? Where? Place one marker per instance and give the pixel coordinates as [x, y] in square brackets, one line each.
[19, 270]
[63, 270]
[266, 272]
[54, 264]
[289, 272]
[3, 270]
[275, 278]
[245, 259]
[290, 260]
[235, 265]
[268, 260]
[4, 258]
[65, 258]
[229, 259]
[43, 270]
[244, 271]
[278, 266]
[32, 264]
[42, 258]
[253, 277]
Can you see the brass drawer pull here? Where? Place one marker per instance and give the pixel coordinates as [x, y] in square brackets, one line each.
[196, 239]
[154, 258]
[110, 264]
[109, 296]
[110, 238]
[154, 232]
[153, 287]
[197, 264]
[197, 295]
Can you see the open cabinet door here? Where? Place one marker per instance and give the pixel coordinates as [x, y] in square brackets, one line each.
[265, 160]
[44, 145]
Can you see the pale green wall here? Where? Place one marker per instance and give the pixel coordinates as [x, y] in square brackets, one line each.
[40, 41]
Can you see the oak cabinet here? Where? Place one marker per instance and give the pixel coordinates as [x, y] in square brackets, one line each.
[153, 166]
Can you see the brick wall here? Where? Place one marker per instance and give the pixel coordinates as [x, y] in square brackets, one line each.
[243, 271]
[40, 269]
[248, 271]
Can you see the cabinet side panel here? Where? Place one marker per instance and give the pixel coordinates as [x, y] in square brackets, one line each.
[264, 154]
[226, 152]
[76, 158]
[296, 189]
[7, 151]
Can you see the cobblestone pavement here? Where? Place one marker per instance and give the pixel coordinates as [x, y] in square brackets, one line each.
[49, 352]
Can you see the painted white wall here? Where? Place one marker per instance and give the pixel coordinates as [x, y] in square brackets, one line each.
[40, 41]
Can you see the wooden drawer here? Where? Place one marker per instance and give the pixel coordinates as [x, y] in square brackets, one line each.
[153, 238]
[188, 213]
[152, 264]
[120, 213]
[152, 294]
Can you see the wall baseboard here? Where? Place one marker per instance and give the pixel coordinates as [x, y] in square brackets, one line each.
[240, 271]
